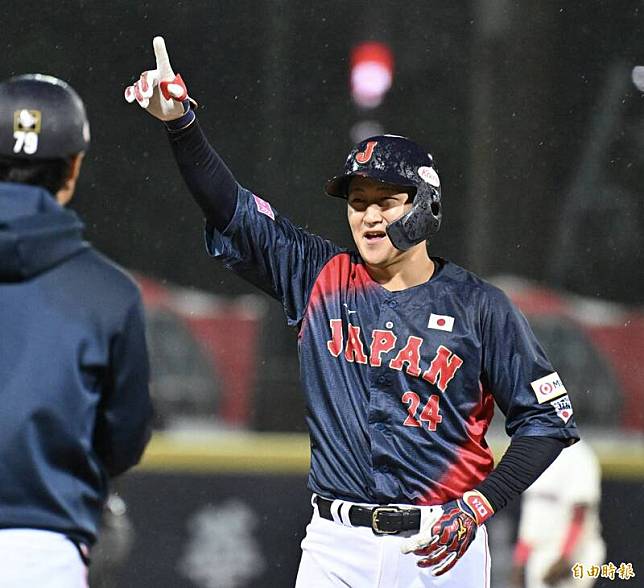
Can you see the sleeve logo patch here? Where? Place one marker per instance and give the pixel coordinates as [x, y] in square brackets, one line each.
[442, 322]
[264, 207]
[563, 408]
[548, 387]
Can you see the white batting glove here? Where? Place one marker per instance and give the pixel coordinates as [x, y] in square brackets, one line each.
[160, 91]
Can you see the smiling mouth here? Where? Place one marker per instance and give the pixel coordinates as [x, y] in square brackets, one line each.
[374, 235]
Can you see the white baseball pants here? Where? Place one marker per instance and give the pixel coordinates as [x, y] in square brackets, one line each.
[336, 555]
[31, 557]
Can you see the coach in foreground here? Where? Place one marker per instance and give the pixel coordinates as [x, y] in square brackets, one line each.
[73, 360]
[402, 357]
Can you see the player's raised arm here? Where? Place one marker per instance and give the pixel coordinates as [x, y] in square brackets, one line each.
[164, 95]
[243, 231]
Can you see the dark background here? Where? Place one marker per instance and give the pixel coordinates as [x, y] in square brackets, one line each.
[527, 107]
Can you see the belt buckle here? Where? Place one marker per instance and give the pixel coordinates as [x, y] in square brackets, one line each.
[375, 514]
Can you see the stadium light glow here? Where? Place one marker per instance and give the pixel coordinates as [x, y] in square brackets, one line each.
[372, 68]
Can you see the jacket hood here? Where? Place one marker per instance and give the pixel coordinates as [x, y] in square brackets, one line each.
[36, 233]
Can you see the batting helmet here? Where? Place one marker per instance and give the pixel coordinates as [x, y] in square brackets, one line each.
[41, 117]
[397, 160]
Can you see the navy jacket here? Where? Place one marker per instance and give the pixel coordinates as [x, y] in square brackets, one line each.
[75, 406]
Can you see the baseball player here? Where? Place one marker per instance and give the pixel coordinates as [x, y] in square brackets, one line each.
[73, 360]
[402, 357]
[559, 525]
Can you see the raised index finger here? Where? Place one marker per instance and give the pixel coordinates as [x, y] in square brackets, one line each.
[163, 61]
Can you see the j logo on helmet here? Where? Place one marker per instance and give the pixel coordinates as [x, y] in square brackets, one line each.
[26, 126]
[363, 157]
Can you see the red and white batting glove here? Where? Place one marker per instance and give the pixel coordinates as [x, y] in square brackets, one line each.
[442, 541]
[160, 91]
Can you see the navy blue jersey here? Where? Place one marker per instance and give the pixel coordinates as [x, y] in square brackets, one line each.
[400, 385]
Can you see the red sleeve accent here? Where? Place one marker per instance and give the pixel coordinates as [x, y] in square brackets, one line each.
[574, 531]
[522, 552]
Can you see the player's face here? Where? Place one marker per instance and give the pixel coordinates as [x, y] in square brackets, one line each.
[372, 205]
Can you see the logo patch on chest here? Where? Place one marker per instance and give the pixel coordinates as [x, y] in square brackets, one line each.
[441, 322]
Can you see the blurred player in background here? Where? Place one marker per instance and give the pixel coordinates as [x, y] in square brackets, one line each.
[559, 525]
[73, 357]
[401, 357]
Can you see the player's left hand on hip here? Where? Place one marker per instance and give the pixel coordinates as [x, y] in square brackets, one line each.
[160, 91]
[442, 541]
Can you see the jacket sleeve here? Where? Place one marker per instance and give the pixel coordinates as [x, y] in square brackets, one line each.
[123, 426]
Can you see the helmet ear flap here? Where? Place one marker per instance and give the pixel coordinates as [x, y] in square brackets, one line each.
[422, 220]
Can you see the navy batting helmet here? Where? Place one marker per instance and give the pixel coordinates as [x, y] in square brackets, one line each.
[41, 117]
[398, 161]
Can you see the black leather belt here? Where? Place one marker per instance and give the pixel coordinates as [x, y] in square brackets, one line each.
[382, 520]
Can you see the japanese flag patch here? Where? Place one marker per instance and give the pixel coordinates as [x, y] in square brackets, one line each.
[563, 408]
[442, 322]
[548, 387]
[264, 207]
